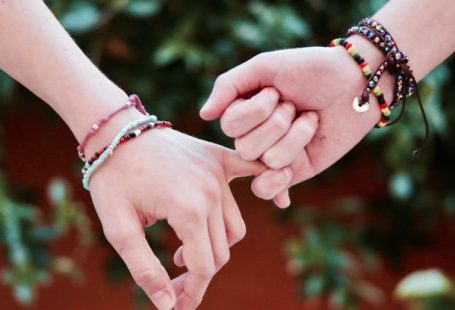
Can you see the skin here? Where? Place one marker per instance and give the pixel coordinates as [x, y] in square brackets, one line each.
[143, 183]
[163, 174]
[324, 81]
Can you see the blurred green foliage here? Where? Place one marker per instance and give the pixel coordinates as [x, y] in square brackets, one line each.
[170, 52]
[27, 234]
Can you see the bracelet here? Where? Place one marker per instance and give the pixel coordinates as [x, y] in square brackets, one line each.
[110, 150]
[396, 62]
[128, 136]
[379, 36]
[133, 100]
[362, 104]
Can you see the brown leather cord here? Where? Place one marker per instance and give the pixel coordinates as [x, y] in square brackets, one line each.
[417, 152]
[397, 66]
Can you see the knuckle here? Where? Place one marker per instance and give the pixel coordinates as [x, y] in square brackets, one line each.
[244, 149]
[261, 58]
[220, 80]
[272, 95]
[272, 160]
[206, 272]
[192, 214]
[240, 233]
[261, 190]
[261, 110]
[148, 277]
[228, 126]
[116, 235]
[305, 126]
[281, 122]
[223, 259]
[192, 302]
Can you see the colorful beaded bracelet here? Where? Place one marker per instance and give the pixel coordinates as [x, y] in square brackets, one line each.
[133, 101]
[395, 62]
[128, 136]
[362, 104]
[384, 42]
[110, 150]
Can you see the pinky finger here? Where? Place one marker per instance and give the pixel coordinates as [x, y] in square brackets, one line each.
[282, 200]
[178, 257]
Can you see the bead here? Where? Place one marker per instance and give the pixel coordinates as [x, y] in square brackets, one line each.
[360, 108]
[154, 119]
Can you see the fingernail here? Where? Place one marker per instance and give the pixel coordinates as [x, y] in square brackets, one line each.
[273, 93]
[289, 107]
[287, 172]
[206, 105]
[163, 300]
[286, 201]
[313, 115]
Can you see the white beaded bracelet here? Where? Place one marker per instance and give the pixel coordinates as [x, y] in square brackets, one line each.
[110, 150]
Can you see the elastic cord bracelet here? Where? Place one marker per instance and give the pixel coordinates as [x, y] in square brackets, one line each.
[362, 104]
[109, 151]
[133, 101]
[133, 133]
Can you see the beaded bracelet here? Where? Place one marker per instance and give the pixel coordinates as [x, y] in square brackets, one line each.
[379, 36]
[133, 101]
[362, 104]
[397, 63]
[110, 150]
[128, 136]
[388, 45]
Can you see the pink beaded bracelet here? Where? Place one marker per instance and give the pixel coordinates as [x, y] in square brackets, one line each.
[133, 101]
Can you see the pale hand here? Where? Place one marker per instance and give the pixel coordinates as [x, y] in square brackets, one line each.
[164, 174]
[321, 80]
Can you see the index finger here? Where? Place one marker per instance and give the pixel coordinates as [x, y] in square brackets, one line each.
[145, 268]
[198, 257]
[245, 78]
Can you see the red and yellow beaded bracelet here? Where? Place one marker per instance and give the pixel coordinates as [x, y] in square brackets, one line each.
[361, 103]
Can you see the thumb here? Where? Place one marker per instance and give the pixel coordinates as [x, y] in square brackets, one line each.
[237, 82]
[236, 167]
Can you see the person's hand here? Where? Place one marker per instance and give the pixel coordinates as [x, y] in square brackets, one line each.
[321, 80]
[164, 174]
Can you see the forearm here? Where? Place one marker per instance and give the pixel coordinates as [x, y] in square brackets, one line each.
[423, 29]
[40, 54]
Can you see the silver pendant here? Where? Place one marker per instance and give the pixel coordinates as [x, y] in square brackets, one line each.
[360, 108]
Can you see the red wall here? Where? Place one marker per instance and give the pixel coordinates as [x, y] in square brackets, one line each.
[40, 147]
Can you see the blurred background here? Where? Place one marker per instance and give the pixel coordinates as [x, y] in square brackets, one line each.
[376, 231]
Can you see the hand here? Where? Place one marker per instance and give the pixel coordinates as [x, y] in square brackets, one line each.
[164, 174]
[317, 79]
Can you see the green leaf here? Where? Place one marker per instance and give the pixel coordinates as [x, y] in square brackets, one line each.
[82, 17]
[314, 285]
[167, 53]
[143, 8]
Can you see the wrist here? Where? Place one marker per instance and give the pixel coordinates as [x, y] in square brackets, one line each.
[109, 130]
[84, 109]
[353, 72]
